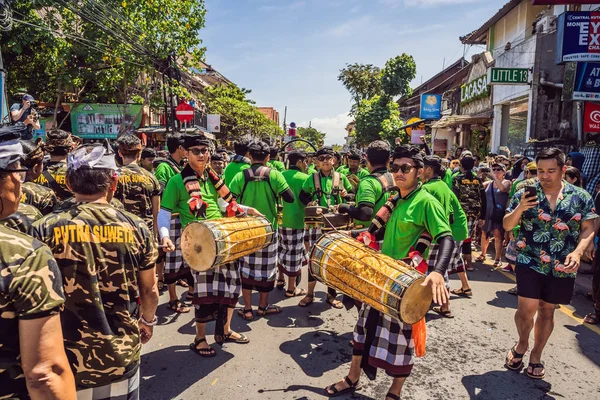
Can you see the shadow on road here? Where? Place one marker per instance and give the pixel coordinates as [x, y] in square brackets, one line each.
[168, 372]
[313, 389]
[318, 352]
[503, 300]
[503, 385]
[588, 342]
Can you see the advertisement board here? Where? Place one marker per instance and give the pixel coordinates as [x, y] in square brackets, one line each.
[578, 36]
[213, 123]
[431, 106]
[478, 88]
[587, 81]
[591, 119]
[103, 121]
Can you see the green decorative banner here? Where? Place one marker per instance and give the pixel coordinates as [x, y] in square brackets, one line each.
[476, 89]
[103, 121]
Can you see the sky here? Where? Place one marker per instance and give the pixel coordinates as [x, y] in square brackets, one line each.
[290, 52]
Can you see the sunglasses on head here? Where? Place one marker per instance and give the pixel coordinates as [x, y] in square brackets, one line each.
[324, 158]
[195, 151]
[405, 168]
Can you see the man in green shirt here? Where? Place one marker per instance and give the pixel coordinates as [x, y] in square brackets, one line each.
[331, 187]
[260, 187]
[274, 163]
[292, 253]
[458, 223]
[353, 170]
[239, 161]
[194, 196]
[312, 164]
[386, 342]
[172, 165]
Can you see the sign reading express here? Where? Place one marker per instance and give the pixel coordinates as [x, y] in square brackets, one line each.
[578, 36]
[476, 89]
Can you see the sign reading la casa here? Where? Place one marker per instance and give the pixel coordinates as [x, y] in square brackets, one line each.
[478, 88]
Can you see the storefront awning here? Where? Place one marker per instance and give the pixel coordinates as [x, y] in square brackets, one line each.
[448, 121]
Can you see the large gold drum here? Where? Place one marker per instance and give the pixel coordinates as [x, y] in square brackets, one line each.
[389, 286]
[207, 244]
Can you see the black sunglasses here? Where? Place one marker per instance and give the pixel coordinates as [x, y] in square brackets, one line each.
[324, 158]
[405, 168]
[197, 152]
[497, 170]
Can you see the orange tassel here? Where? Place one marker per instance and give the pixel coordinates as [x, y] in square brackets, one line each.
[419, 334]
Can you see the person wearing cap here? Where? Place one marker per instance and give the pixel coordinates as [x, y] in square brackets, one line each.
[292, 253]
[434, 185]
[260, 187]
[274, 163]
[173, 164]
[530, 175]
[197, 194]
[33, 359]
[353, 170]
[138, 189]
[106, 257]
[326, 188]
[41, 197]
[312, 164]
[239, 161]
[224, 154]
[59, 144]
[217, 163]
[381, 341]
[22, 113]
[337, 160]
[147, 159]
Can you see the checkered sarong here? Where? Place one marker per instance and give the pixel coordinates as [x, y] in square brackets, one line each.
[471, 225]
[174, 259]
[456, 261]
[591, 166]
[292, 252]
[393, 347]
[218, 285]
[260, 268]
[311, 235]
[127, 389]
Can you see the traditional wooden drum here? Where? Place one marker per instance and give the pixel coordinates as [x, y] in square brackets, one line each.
[333, 222]
[313, 215]
[207, 244]
[391, 287]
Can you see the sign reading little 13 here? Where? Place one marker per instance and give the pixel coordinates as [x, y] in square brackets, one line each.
[508, 76]
[477, 89]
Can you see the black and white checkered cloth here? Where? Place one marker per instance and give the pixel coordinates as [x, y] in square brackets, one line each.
[260, 266]
[218, 285]
[127, 389]
[174, 259]
[393, 348]
[456, 262]
[311, 235]
[471, 225]
[591, 166]
[292, 252]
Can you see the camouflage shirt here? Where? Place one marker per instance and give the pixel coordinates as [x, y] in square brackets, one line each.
[23, 218]
[136, 189]
[58, 170]
[43, 198]
[470, 193]
[70, 202]
[30, 288]
[100, 251]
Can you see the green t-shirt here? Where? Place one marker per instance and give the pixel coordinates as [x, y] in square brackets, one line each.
[311, 169]
[513, 188]
[451, 206]
[369, 192]
[293, 213]
[361, 173]
[164, 172]
[276, 164]
[413, 215]
[448, 177]
[175, 199]
[260, 194]
[232, 169]
[326, 188]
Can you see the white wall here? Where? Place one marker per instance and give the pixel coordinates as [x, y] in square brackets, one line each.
[520, 56]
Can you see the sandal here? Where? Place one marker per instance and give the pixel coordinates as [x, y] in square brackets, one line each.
[511, 364]
[497, 264]
[280, 284]
[189, 296]
[206, 353]
[392, 396]
[352, 387]
[333, 302]
[245, 312]
[178, 306]
[512, 291]
[295, 293]
[183, 283]
[243, 339]
[533, 367]
[481, 258]
[160, 285]
[592, 318]
[268, 310]
[445, 314]
[463, 292]
[306, 303]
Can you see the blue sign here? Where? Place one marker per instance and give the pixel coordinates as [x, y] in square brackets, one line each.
[587, 81]
[431, 106]
[578, 37]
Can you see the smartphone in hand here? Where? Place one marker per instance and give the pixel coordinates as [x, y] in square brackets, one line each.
[530, 191]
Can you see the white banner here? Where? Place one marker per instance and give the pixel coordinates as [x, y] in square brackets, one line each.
[213, 122]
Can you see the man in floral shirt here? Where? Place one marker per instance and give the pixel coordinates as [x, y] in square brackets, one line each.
[556, 227]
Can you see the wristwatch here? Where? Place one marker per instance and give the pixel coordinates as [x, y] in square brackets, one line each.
[149, 323]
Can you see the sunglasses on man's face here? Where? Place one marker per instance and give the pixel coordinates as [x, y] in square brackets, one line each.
[324, 158]
[195, 151]
[497, 170]
[405, 168]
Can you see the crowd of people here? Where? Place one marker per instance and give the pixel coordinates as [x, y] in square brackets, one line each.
[90, 235]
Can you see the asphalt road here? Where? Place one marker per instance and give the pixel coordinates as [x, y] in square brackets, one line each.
[294, 355]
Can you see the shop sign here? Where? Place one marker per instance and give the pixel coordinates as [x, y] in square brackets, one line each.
[578, 36]
[476, 89]
[587, 82]
[591, 121]
[508, 76]
[431, 106]
[213, 122]
[103, 121]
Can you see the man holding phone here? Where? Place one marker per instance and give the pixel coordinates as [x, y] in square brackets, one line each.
[556, 226]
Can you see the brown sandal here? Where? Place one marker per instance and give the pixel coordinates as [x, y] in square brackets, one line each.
[335, 303]
[306, 303]
[268, 310]
[592, 318]
[295, 293]
[178, 306]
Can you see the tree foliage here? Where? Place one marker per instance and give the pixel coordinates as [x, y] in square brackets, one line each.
[378, 119]
[313, 135]
[397, 75]
[363, 81]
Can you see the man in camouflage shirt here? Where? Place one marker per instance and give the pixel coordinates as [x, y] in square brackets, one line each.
[138, 189]
[106, 258]
[58, 143]
[23, 218]
[43, 198]
[31, 298]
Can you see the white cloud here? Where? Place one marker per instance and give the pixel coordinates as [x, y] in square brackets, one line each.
[334, 127]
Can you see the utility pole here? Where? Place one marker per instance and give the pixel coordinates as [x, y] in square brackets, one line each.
[284, 121]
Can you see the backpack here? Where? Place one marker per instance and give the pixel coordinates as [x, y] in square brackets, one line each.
[386, 180]
[335, 188]
[260, 174]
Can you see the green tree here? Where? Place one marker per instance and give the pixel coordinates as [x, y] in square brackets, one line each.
[397, 75]
[376, 119]
[363, 81]
[313, 135]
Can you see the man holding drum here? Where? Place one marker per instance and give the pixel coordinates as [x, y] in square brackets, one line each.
[387, 342]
